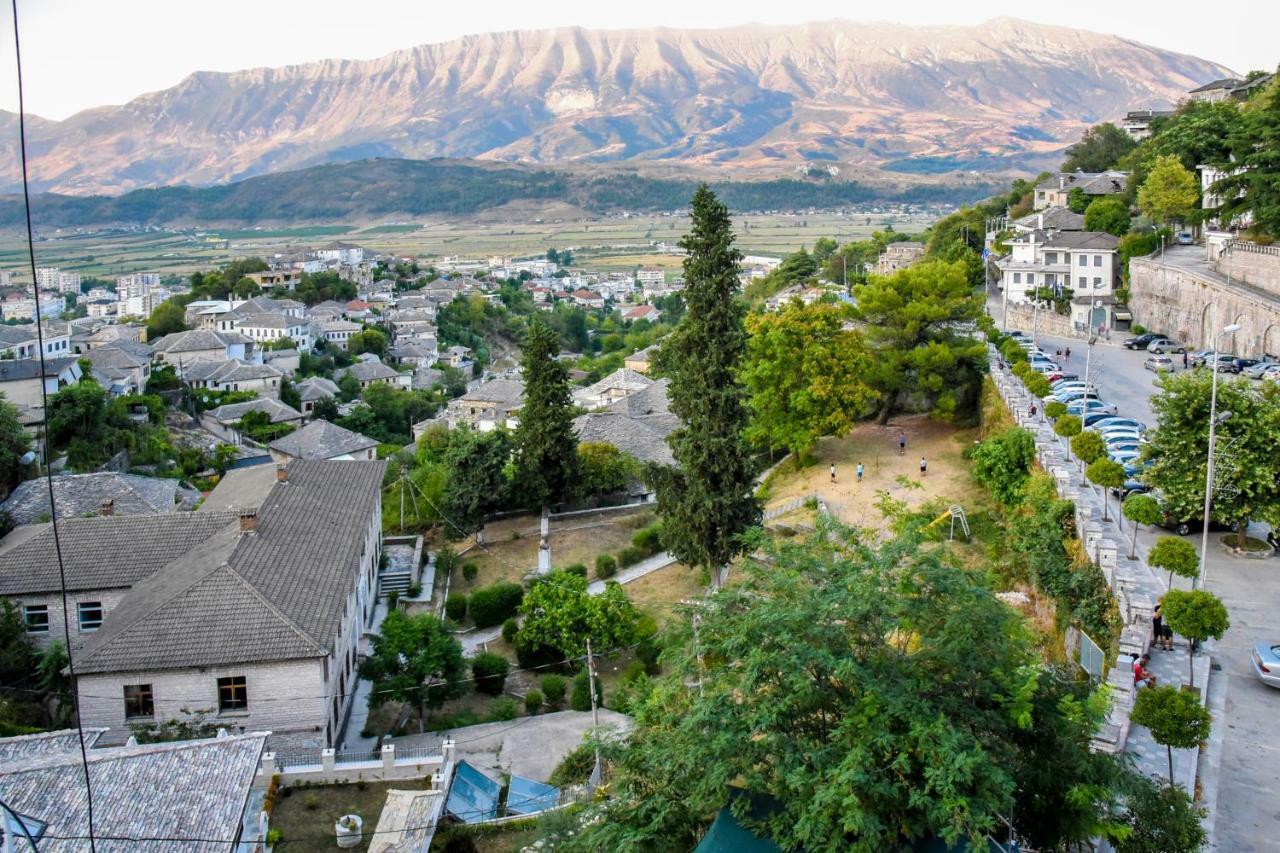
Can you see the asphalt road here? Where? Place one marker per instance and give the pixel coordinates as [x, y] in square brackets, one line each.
[1239, 783]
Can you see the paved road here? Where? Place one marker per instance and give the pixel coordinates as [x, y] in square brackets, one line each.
[1241, 777]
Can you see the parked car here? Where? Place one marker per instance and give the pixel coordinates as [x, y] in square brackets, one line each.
[1103, 423]
[1160, 346]
[1141, 341]
[1064, 379]
[1059, 376]
[1255, 371]
[1158, 363]
[1266, 663]
[1226, 362]
[1077, 407]
[1191, 525]
[1131, 487]
[1272, 372]
[1071, 395]
[1239, 365]
[1198, 357]
[1044, 368]
[1185, 238]
[1120, 435]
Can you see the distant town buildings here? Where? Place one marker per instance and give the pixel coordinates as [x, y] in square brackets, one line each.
[899, 256]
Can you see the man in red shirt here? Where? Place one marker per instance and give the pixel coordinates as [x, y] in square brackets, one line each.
[1142, 677]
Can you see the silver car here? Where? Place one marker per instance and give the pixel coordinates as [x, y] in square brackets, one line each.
[1266, 662]
[1255, 371]
[1158, 363]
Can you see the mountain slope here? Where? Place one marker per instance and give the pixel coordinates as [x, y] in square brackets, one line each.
[376, 190]
[1003, 93]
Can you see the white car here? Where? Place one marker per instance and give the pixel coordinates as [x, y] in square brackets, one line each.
[1158, 363]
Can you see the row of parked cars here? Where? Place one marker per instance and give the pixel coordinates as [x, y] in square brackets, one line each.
[1125, 437]
[1159, 360]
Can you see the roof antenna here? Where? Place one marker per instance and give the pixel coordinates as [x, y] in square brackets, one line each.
[44, 402]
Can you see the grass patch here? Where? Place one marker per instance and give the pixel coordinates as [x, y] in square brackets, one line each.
[306, 814]
[577, 540]
[658, 593]
[1252, 545]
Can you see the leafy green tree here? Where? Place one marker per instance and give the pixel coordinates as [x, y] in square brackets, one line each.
[1067, 426]
[1199, 132]
[415, 660]
[13, 444]
[546, 447]
[1107, 475]
[1178, 450]
[18, 656]
[1141, 509]
[1088, 446]
[77, 412]
[1109, 214]
[1037, 385]
[1170, 191]
[805, 373]
[1197, 615]
[325, 409]
[348, 388]
[924, 683]
[246, 288]
[1176, 555]
[1054, 410]
[1002, 464]
[1160, 818]
[707, 500]
[560, 616]
[167, 318]
[1101, 148]
[476, 482]
[1077, 201]
[368, 340]
[1175, 718]
[490, 672]
[1253, 183]
[605, 469]
[289, 395]
[915, 319]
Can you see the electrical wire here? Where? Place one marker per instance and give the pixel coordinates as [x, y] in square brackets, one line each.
[44, 402]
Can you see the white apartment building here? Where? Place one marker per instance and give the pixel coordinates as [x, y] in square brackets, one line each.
[24, 307]
[136, 284]
[52, 278]
[1082, 261]
[650, 276]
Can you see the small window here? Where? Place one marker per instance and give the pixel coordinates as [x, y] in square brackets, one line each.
[36, 617]
[1097, 260]
[1031, 278]
[1084, 260]
[1017, 278]
[1084, 281]
[90, 613]
[233, 694]
[1097, 282]
[1050, 257]
[138, 701]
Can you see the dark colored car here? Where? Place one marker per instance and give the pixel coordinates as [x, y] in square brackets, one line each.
[1192, 525]
[1141, 341]
[1239, 364]
[1131, 487]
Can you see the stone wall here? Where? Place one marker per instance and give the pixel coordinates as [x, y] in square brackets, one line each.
[1188, 307]
[1253, 264]
[1045, 322]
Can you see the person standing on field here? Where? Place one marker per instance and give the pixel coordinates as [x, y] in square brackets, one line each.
[924, 466]
[859, 472]
[902, 443]
[833, 473]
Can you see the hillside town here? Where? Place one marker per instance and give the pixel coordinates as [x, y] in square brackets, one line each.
[953, 539]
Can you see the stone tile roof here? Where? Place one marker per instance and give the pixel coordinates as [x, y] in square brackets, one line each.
[427, 377]
[643, 438]
[278, 593]
[1100, 240]
[228, 370]
[316, 388]
[277, 411]
[62, 742]
[101, 553]
[651, 400]
[368, 371]
[29, 368]
[270, 321]
[16, 335]
[622, 379]
[322, 440]
[505, 391]
[184, 790]
[240, 488]
[196, 340]
[1052, 218]
[78, 494]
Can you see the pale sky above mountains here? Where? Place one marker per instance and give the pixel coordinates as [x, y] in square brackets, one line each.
[85, 53]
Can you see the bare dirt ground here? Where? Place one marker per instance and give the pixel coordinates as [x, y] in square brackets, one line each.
[876, 447]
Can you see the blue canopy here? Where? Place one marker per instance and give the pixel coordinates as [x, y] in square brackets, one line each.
[473, 797]
[526, 796]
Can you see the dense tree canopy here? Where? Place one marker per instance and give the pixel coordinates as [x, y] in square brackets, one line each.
[415, 660]
[1253, 185]
[1101, 148]
[1107, 213]
[1170, 191]
[560, 616]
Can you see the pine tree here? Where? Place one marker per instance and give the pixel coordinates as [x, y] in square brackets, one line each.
[706, 501]
[547, 449]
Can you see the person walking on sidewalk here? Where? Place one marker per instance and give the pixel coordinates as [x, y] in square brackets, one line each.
[1068, 353]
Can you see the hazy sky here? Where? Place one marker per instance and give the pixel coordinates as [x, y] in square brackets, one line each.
[84, 53]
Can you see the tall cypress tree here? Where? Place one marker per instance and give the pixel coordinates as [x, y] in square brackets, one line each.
[706, 501]
[547, 449]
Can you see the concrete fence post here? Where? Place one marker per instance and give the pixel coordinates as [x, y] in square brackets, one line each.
[388, 757]
[268, 764]
[327, 760]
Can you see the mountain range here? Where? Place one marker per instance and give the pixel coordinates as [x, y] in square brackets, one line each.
[1006, 95]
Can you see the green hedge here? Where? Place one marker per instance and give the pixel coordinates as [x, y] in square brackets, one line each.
[455, 606]
[493, 605]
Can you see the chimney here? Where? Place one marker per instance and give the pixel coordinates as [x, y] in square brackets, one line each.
[1040, 221]
[248, 520]
[282, 474]
[1062, 182]
[108, 508]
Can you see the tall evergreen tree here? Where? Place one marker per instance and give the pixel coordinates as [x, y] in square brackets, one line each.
[706, 501]
[547, 449]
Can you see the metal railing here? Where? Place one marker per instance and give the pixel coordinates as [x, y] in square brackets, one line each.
[352, 756]
[418, 752]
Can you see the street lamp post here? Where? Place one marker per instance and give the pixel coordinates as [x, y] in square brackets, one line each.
[1208, 468]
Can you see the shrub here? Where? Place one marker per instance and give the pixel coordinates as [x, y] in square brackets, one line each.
[575, 768]
[606, 566]
[503, 708]
[648, 540]
[1138, 329]
[1054, 410]
[490, 671]
[577, 569]
[274, 836]
[494, 604]
[455, 606]
[648, 646]
[415, 589]
[629, 556]
[310, 802]
[469, 572]
[532, 701]
[509, 630]
[580, 700]
[393, 599]
[553, 689]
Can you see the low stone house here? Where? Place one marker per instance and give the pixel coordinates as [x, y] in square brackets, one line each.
[20, 381]
[230, 375]
[618, 385]
[313, 389]
[222, 420]
[371, 372]
[336, 333]
[100, 493]
[323, 440]
[182, 348]
[261, 622]
[637, 425]
[121, 367]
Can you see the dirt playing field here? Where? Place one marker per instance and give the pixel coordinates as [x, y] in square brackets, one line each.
[876, 447]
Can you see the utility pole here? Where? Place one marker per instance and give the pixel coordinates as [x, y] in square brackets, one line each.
[591, 679]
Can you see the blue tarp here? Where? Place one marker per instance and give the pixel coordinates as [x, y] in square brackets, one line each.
[473, 797]
[526, 796]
